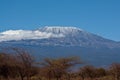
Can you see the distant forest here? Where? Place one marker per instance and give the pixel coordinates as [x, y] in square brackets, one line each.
[23, 66]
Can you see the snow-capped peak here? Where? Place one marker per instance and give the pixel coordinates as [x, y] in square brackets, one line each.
[59, 29]
[41, 33]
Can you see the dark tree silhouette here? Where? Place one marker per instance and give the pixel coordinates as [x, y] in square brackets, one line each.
[87, 72]
[56, 68]
[26, 65]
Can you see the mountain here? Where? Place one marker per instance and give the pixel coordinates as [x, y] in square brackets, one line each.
[57, 36]
[56, 41]
[77, 37]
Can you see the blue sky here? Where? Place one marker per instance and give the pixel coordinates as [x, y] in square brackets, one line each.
[101, 17]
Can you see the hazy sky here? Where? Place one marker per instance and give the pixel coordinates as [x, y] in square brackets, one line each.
[101, 17]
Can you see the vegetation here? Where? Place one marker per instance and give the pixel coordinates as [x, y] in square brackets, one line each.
[23, 66]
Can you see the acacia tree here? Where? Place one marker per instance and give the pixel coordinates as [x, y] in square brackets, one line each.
[56, 68]
[100, 72]
[87, 72]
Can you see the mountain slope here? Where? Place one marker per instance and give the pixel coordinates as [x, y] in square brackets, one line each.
[59, 36]
[55, 41]
[77, 37]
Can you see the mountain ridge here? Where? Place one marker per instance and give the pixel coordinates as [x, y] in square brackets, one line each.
[61, 36]
[92, 48]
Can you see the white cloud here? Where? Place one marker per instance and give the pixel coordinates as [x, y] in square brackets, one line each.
[26, 34]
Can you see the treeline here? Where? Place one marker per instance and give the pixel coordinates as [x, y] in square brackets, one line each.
[23, 66]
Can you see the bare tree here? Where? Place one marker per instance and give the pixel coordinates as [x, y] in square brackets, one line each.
[7, 65]
[25, 64]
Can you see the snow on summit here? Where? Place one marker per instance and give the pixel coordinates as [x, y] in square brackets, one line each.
[55, 35]
[44, 32]
[58, 29]
[41, 33]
